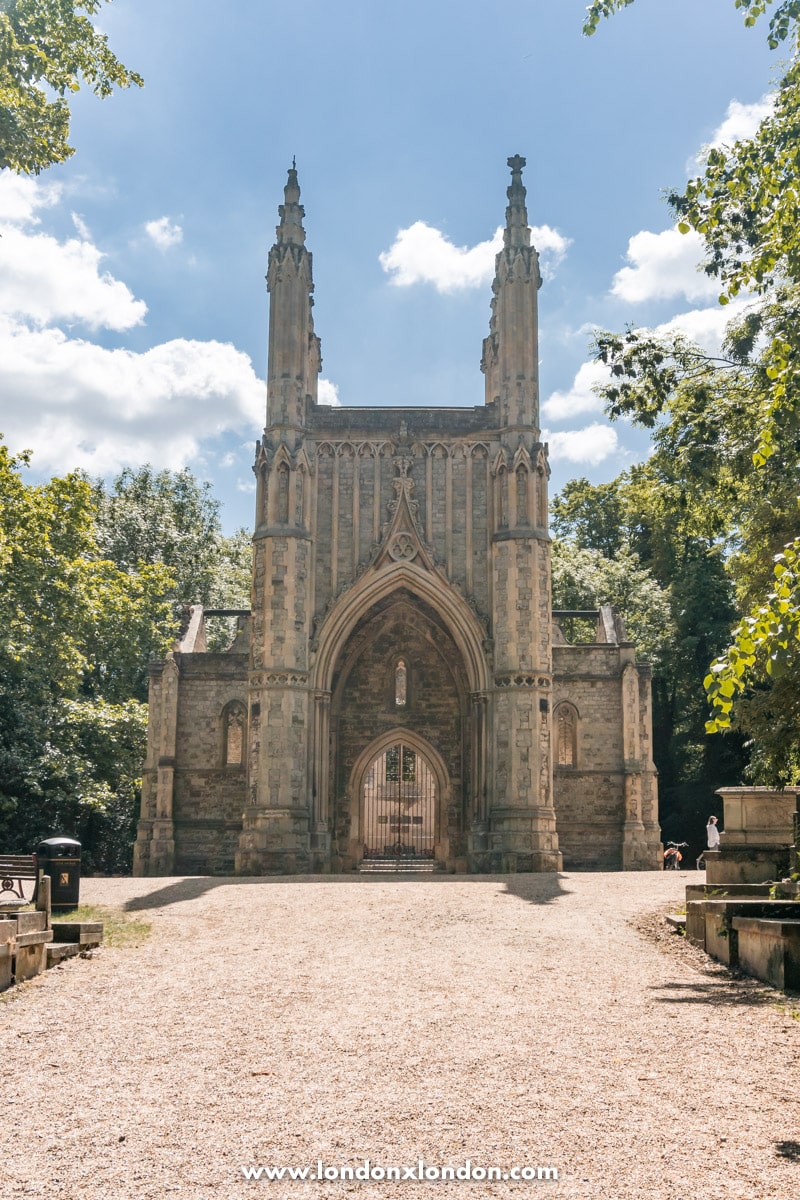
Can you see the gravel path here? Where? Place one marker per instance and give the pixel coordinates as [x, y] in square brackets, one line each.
[512, 1021]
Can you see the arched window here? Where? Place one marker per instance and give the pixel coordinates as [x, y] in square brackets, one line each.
[522, 496]
[502, 498]
[566, 736]
[400, 684]
[283, 494]
[299, 514]
[233, 726]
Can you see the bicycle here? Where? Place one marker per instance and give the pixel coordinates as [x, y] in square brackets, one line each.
[673, 857]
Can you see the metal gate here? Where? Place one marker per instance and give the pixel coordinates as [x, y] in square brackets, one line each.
[399, 806]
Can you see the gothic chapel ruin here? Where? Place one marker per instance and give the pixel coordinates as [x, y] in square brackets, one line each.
[401, 689]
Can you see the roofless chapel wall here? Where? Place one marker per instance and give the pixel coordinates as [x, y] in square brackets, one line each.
[413, 535]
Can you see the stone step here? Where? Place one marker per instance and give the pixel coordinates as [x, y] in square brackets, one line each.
[769, 949]
[58, 951]
[399, 866]
[84, 933]
[30, 922]
[36, 937]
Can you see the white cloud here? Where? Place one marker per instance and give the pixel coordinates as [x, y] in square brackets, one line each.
[552, 247]
[45, 280]
[328, 393]
[705, 326]
[77, 404]
[580, 398]
[163, 233]
[20, 197]
[590, 445]
[664, 265]
[741, 123]
[422, 254]
[81, 227]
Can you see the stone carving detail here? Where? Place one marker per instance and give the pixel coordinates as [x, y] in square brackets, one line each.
[403, 548]
[286, 678]
[403, 489]
[517, 681]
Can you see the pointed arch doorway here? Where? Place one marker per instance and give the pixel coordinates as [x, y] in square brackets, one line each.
[401, 782]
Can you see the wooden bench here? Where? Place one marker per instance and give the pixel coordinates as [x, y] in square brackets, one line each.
[18, 869]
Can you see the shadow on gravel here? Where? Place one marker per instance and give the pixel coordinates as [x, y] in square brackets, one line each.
[724, 991]
[180, 890]
[535, 889]
[790, 1150]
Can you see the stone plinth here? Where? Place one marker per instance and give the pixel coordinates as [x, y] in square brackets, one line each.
[757, 841]
[7, 931]
[770, 950]
[711, 923]
[757, 816]
[274, 841]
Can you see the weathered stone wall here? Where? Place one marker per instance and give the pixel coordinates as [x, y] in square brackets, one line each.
[209, 797]
[590, 797]
[352, 488]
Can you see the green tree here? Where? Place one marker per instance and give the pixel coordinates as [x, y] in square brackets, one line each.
[171, 519]
[47, 48]
[670, 583]
[75, 632]
[746, 206]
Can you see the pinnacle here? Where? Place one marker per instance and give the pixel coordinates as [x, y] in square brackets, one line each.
[291, 212]
[516, 232]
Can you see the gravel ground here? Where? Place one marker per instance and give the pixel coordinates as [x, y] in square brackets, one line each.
[513, 1021]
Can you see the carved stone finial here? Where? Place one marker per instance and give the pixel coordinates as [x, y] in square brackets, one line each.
[516, 232]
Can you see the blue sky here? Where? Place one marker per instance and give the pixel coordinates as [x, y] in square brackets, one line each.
[133, 311]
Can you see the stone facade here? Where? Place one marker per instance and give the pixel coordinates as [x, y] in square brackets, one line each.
[400, 544]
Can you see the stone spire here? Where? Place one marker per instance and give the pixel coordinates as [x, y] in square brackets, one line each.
[511, 351]
[291, 212]
[516, 233]
[294, 349]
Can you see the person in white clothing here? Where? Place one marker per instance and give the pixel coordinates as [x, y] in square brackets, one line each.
[712, 837]
[712, 834]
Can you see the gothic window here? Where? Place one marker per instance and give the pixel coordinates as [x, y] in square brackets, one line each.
[409, 766]
[283, 494]
[299, 514]
[566, 736]
[522, 496]
[393, 765]
[401, 765]
[502, 498]
[233, 723]
[400, 684]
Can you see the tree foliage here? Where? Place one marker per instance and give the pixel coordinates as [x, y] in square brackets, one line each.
[92, 583]
[644, 546]
[746, 206]
[169, 518]
[783, 19]
[76, 633]
[47, 49]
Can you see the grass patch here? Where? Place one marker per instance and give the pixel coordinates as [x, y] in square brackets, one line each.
[120, 930]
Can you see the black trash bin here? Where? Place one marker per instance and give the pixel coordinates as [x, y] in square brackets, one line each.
[60, 859]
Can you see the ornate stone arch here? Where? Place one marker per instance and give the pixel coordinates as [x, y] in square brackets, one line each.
[415, 742]
[566, 720]
[233, 728]
[457, 616]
